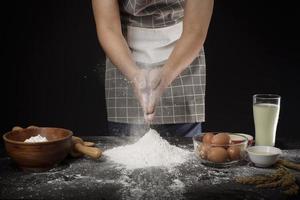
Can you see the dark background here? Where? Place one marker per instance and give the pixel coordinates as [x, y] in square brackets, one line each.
[52, 67]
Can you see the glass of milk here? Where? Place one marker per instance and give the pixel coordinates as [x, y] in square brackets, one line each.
[266, 112]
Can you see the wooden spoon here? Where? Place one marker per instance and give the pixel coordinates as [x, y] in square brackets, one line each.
[17, 128]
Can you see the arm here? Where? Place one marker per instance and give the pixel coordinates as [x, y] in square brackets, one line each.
[197, 15]
[107, 18]
[108, 25]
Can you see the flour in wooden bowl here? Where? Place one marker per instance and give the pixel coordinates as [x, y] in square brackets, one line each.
[149, 151]
[35, 139]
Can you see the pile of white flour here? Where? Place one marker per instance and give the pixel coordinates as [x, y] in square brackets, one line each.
[35, 139]
[150, 150]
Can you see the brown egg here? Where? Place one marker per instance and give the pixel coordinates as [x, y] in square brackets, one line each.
[221, 139]
[234, 152]
[207, 138]
[203, 150]
[217, 154]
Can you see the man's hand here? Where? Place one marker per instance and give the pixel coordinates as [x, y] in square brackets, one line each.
[148, 87]
[140, 88]
[156, 85]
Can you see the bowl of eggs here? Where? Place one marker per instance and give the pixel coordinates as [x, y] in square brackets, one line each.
[220, 149]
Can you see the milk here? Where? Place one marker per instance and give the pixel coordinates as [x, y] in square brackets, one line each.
[265, 119]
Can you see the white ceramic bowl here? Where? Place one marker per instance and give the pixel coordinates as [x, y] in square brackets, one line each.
[263, 156]
[237, 137]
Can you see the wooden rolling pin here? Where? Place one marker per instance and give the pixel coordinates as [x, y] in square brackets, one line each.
[89, 144]
[79, 147]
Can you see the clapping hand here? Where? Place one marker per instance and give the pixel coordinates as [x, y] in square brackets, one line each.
[148, 87]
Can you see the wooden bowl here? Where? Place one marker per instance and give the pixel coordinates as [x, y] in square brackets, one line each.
[40, 156]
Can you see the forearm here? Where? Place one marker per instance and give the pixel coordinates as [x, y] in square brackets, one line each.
[195, 26]
[117, 50]
[186, 50]
[108, 24]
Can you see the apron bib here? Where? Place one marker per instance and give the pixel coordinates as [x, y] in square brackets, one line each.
[153, 46]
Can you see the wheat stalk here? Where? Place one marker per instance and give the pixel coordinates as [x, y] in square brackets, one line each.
[281, 178]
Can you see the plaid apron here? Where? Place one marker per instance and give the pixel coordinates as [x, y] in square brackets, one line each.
[183, 100]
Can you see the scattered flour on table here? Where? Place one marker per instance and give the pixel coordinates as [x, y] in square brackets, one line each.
[37, 138]
[177, 184]
[150, 150]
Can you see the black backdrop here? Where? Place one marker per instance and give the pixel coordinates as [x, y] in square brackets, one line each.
[52, 67]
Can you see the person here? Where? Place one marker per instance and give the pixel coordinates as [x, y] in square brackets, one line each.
[155, 66]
